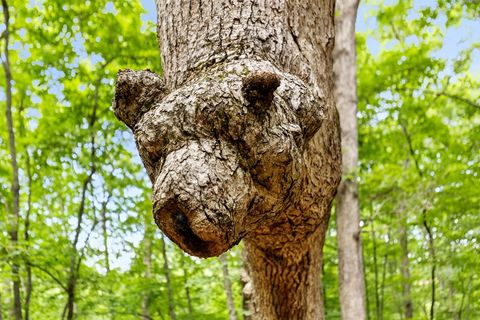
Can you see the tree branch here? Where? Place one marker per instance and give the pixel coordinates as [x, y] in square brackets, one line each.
[57, 280]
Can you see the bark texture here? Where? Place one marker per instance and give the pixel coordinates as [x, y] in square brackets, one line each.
[241, 139]
[350, 260]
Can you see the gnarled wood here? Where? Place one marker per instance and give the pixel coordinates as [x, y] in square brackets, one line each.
[242, 140]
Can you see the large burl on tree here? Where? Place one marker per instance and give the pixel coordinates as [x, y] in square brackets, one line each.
[240, 139]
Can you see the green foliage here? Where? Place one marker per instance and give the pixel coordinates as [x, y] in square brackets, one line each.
[419, 127]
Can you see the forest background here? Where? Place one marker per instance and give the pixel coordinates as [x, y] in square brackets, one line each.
[85, 236]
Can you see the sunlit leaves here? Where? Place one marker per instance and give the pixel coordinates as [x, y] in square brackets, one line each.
[419, 152]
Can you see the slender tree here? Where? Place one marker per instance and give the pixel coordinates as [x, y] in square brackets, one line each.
[166, 271]
[227, 285]
[76, 254]
[246, 282]
[26, 235]
[350, 259]
[404, 261]
[15, 186]
[147, 262]
[186, 285]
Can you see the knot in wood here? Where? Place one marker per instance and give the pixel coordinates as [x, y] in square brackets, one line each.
[258, 89]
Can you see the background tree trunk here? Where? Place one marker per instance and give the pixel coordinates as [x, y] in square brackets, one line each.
[186, 285]
[26, 233]
[147, 262]
[15, 187]
[104, 220]
[26, 222]
[246, 293]
[404, 262]
[1, 307]
[378, 314]
[77, 255]
[433, 257]
[350, 261]
[166, 270]
[227, 284]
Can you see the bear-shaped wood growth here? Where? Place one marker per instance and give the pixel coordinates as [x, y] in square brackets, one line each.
[240, 139]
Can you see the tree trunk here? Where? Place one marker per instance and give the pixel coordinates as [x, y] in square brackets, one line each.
[103, 217]
[186, 285]
[241, 139]
[350, 261]
[147, 262]
[26, 233]
[15, 187]
[75, 260]
[104, 221]
[431, 249]
[378, 314]
[166, 270]
[247, 292]
[465, 296]
[384, 275]
[405, 263]
[227, 285]
[1, 307]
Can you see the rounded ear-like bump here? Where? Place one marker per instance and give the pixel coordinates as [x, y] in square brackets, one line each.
[135, 93]
[258, 89]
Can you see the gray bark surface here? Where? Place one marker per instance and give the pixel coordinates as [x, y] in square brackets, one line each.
[241, 139]
[350, 260]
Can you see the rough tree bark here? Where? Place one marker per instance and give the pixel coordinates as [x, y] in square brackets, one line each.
[241, 139]
[350, 261]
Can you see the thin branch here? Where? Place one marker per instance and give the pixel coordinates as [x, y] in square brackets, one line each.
[58, 281]
[82, 251]
[410, 146]
[442, 93]
[461, 99]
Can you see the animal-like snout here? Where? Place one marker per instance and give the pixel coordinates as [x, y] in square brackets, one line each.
[201, 197]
